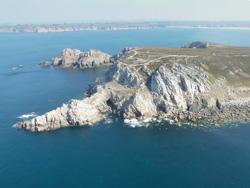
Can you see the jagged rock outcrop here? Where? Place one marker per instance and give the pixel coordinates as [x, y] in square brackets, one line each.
[121, 54]
[74, 113]
[146, 70]
[126, 76]
[140, 105]
[177, 86]
[77, 59]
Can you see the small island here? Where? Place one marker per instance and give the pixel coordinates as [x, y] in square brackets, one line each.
[201, 80]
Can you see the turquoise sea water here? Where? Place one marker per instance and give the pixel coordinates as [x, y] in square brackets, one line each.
[107, 155]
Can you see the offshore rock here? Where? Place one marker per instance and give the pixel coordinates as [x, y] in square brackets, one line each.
[77, 59]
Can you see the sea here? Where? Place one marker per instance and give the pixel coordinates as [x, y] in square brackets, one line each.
[108, 155]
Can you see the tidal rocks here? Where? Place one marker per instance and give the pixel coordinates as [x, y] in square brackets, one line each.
[77, 59]
[45, 64]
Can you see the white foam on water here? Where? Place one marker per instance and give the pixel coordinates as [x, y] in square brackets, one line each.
[126, 121]
[26, 116]
[135, 123]
[179, 124]
[14, 126]
[144, 123]
[147, 120]
[169, 120]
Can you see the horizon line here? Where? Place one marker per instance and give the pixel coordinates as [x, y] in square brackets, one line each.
[114, 21]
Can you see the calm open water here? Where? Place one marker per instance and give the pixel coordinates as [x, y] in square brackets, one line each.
[107, 155]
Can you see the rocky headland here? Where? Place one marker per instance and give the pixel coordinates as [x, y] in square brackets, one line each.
[199, 81]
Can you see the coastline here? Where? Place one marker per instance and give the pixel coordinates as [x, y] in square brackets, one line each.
[38, 29]
[194, 27]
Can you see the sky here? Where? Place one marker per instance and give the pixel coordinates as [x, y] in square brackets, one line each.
[55, 11]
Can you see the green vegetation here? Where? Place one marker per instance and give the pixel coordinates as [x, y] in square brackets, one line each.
[216, 61]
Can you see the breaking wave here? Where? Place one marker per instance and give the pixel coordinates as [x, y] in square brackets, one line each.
[27, 116]
[135, 123]
[14, 126]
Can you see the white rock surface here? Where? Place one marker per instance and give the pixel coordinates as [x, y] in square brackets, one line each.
[74, 113]
[177, 86]
[76, 58]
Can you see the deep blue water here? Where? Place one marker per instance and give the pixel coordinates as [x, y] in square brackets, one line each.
[105, 155]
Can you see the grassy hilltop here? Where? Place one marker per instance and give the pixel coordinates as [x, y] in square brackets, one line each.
[215, 60]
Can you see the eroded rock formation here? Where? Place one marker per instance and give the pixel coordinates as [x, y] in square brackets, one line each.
[77, 59]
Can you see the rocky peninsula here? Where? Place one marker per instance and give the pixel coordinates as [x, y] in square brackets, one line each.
[199, 81]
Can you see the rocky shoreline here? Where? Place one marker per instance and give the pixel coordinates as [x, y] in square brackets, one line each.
[159, 83]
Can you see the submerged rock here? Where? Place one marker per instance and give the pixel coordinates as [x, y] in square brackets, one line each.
[45, 64]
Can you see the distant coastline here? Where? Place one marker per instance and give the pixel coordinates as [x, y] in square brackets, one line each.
[53, 28]
[205, 27]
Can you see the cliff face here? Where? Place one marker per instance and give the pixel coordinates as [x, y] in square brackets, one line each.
[77, 59]
[181, 84]
[177, 86]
